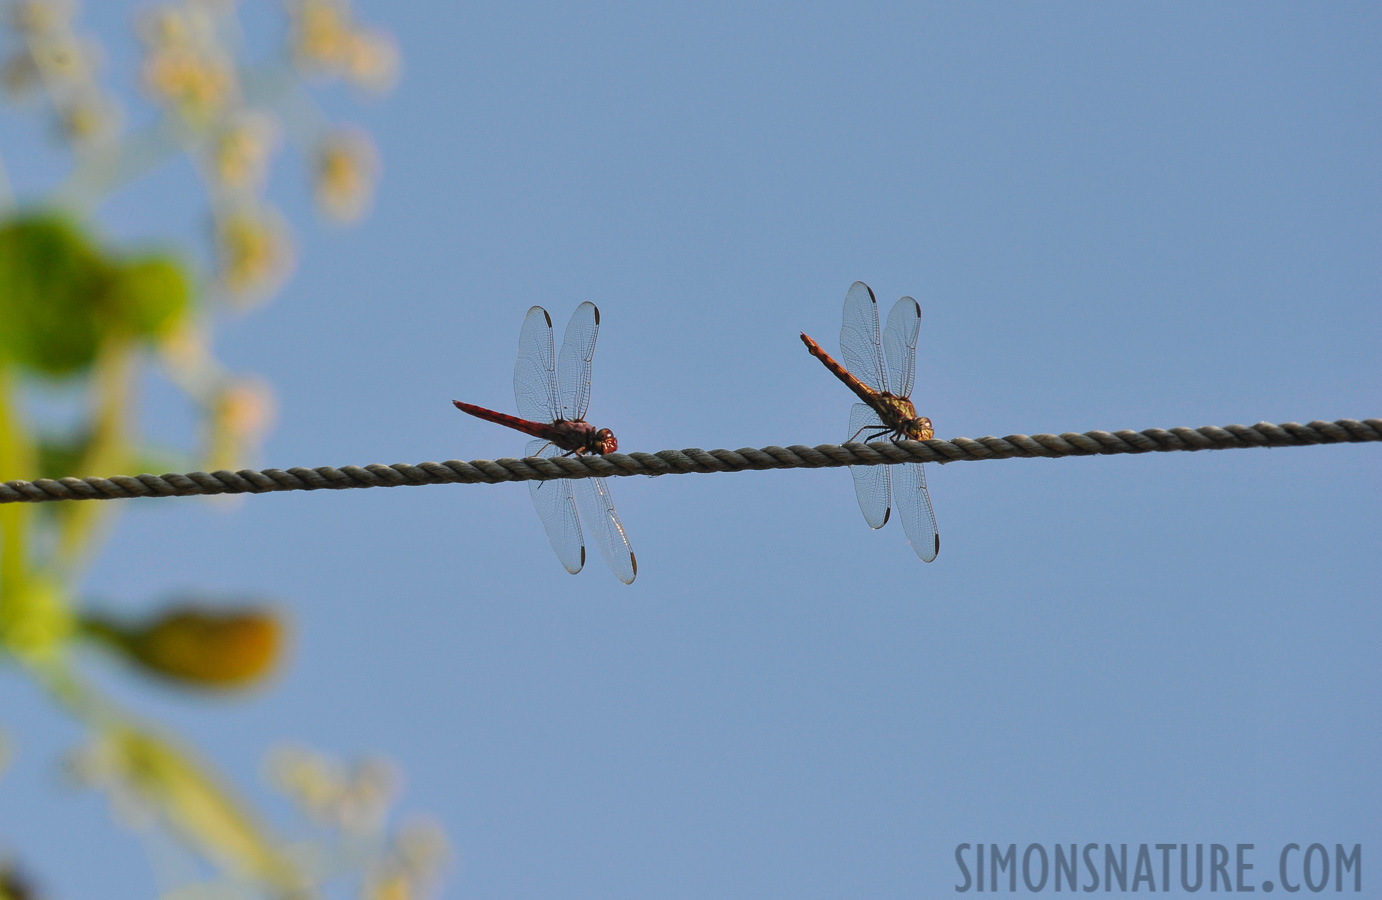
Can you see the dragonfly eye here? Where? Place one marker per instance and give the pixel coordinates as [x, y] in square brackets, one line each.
[919, 429]
[605, 440]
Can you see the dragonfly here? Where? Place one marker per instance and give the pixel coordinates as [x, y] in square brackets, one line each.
[553, 393]
[885, 413]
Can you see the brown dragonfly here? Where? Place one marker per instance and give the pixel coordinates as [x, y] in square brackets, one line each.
[553, 394]
[883, 412]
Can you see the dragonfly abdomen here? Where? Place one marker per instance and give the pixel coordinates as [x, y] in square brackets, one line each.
[535, 429]
[861, 390]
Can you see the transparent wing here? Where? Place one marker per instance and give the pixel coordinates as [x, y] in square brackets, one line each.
[535, 373]
[870, 482]
[573, 367]
[914, 506]
[864, 424]
[605, 528]
[900, 344]
[556, 507]
[859, 345]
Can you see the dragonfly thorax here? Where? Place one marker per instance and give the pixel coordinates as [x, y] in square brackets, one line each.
[900, 415]
[581, 437]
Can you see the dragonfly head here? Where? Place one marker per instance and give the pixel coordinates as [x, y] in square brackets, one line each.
[918, 429]
[604, 442]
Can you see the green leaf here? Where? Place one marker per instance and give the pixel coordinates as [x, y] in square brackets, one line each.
[51, 281]
[61, 458]
[61, 297]
[149, 296]
[65, 456]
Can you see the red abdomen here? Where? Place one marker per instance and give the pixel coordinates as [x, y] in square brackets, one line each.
[536, 429]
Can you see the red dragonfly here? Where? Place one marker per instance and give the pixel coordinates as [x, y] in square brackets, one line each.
[885, 414]
[553, 393]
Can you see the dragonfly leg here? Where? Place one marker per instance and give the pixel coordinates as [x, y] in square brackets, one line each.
[881, 430]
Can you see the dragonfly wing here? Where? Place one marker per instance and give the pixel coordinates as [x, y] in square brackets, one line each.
[914, 506]
[556, 507]
[859, 344]
[864, 424]
[870, 482]
[573, 367]
[605, 528]
[900, 344]
[535, 373]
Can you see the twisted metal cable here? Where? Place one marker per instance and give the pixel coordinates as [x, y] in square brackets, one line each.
[677, 462]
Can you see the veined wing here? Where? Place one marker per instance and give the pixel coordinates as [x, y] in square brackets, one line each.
[900, 344]
[597, 508]
[870, 482]
[573, 366]
[535, 373]
[556, 507]
[914, 507]
[859, 344]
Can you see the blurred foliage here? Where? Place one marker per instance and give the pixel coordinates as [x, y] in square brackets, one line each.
[61, 298]
[197, 646]
[152, 774]
[91, 314]
[13, 885]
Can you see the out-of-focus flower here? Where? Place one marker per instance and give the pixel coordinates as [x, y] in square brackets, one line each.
[197, 87]
[185, 68]
[346, 167]
[421, 845]
[65, 58]
[310, 779]
[245, 409]
[35, 17]
[164, 26]
[20, 76]
[371, 60]
[355, 798]
[148, 772]
[197, 646]
[321, 29]
[241, 412]
[255, 253]
[370, 791]
[326, 42]
[63, 66]
[89, 118]
[59, 62]
[187, 352]
[183, 23]
[411, 865]
[240, 151]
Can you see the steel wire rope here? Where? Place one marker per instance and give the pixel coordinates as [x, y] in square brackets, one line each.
[677, 462]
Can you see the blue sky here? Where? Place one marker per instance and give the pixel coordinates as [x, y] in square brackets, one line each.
[1112, 216]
